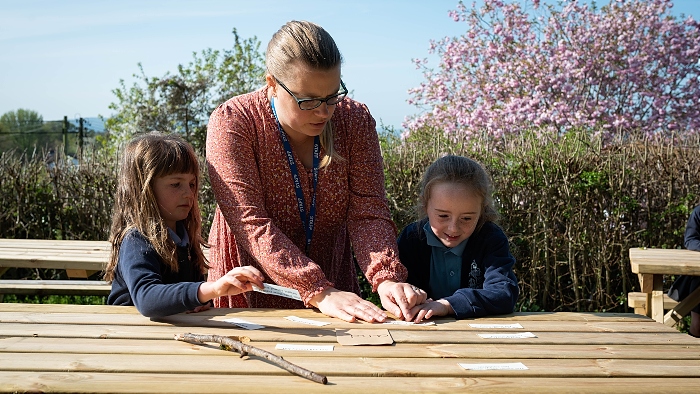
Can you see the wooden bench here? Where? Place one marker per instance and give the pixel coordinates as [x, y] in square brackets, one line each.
[651, 265]
[638, 301]
[80, 259]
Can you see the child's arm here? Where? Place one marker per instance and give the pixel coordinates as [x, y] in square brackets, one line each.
[140, 269]
[500, 288]
[236, 281]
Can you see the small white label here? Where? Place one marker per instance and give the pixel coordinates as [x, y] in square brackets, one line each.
[244, 324]
[519, 335]
[310, 348]
[488, 367]
[278, 291]
[409, 323]
[488, 326]
[306, 321]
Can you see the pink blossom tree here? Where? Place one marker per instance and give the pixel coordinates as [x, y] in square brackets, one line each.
[626, 67]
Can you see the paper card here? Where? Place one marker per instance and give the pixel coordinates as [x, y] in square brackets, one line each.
[409, 323]
[243, 324]
[278, 291]
[310, 348]
[306, 321]
[494, 366]
[353, 337]
[488, 326]
[519, 335]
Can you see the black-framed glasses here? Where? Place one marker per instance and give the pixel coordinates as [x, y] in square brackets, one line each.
[309, 104]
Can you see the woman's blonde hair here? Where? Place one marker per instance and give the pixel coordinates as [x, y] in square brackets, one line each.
[146, 158]
[309, 44]
[463, 171]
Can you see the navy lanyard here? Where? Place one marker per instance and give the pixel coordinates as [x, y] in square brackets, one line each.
[308, 222]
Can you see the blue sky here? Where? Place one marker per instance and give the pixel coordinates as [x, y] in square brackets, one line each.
[65, 57]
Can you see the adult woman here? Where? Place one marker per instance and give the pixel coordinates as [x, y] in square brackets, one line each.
[297, 174]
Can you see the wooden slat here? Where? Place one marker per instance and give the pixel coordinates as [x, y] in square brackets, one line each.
[50, 287]
[315, 314]
[350, 366]
[213, 384]
[67, 308]
[319, 335]
[53, 244]
[279, 322]
[401, 350]
[664, 261]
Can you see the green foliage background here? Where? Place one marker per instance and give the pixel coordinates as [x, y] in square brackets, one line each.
[572, 205]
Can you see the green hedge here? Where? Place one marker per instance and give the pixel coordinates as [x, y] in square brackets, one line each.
[572, 205]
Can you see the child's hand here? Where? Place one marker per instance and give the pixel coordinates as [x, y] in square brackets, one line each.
[431, 308]
[236, 281]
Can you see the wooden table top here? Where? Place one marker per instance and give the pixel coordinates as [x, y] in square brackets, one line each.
[81, 348]
[664, 261]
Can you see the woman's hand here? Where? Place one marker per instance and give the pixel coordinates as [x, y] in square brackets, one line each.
[347, 306]
[431, 308]
[400, 298]
[236, 281]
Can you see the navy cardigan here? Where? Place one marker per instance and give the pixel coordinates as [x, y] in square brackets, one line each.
[488, 283]
[141, 279]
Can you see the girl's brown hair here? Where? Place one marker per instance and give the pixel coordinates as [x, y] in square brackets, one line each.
[309, 44]
[463, 171]
[145, 158]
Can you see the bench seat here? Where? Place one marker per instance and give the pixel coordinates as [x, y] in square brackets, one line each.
[55, 287]
[638, 301]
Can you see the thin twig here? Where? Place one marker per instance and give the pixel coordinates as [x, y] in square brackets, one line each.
[244, 350]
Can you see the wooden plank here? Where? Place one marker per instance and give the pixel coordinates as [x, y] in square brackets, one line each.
[315, 314]
[67, 308]
[350, 366]
[657, 305]
[638, 299]
[401, 350]
[52, 244]
[319, 335]
[55, 262]
[278, 322]
[664, 261]
[214, 384]
[51, 287]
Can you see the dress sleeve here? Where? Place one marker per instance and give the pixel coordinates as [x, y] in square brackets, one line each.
[238, 189]
[372, 231]
[140, 267]
[692, 230]
[499, 292]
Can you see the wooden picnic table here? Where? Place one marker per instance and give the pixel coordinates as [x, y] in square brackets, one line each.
[89, 348]
[651, 265]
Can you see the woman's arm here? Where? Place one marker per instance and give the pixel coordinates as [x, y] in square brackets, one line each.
[232, 157]
[372, 231]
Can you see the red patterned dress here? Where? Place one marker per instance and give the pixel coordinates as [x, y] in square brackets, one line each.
[257, 220]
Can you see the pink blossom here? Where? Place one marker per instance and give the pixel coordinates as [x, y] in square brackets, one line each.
[628, 66]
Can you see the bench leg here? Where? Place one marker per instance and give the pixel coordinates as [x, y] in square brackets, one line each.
[657, 305]
[683, 308]
[653, 285]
